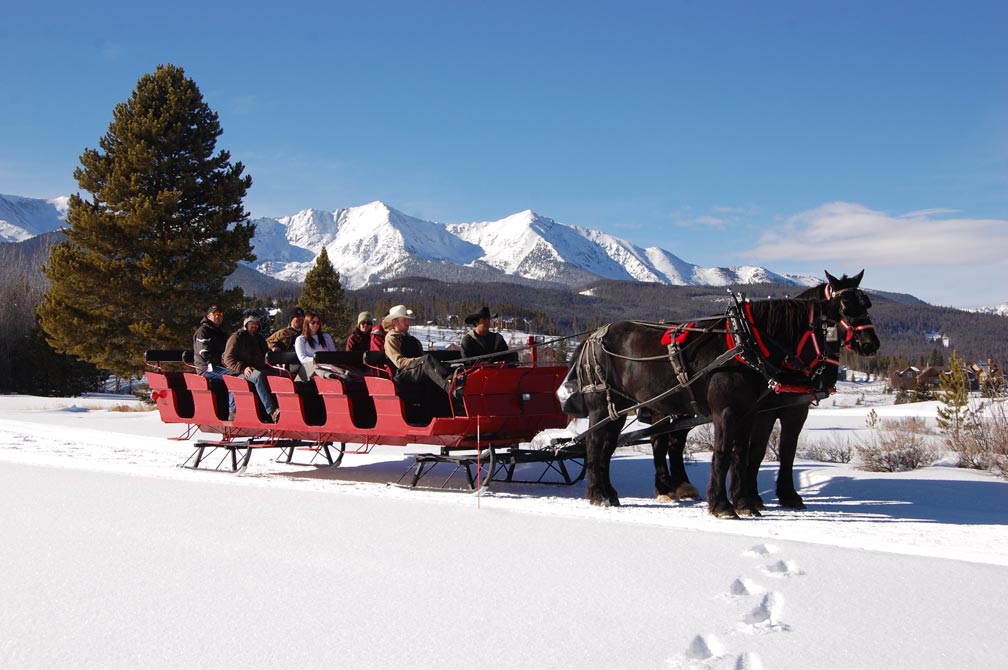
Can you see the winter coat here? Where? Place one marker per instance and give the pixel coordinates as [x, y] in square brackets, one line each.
[402, 349]
[283, 339]
[481, 345]
[359, 341]
[209, 342]
[245, 350]
[378, 338]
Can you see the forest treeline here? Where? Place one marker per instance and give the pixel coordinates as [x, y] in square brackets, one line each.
[902, 321]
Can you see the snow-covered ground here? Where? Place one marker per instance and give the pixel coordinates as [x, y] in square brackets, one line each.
[111, 556]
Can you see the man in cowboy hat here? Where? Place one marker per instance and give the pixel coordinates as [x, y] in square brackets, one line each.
[406, 353]
[480, 341]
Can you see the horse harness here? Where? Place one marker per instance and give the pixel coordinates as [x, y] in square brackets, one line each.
[799, 372]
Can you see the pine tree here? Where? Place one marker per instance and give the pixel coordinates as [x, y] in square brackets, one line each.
[323, 294]
[953, 394]
[164, 226]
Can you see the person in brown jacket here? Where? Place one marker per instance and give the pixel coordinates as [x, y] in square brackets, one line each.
[283, 339]
[406, 354]
[245, 354]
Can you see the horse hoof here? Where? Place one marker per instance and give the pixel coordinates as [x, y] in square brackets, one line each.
[724, 511]
[664, 497]
[687, 491]
[792, 503]
[747, 511]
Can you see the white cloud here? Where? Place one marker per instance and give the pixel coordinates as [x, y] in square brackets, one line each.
[851, 234]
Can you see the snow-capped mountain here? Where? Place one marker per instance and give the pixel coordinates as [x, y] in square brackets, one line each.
[24, 218]
[375, 242]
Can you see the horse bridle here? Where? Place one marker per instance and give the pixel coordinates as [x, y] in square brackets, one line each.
[851, 325]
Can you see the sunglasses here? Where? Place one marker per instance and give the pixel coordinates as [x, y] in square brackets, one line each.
[315, 322]
[366, 323]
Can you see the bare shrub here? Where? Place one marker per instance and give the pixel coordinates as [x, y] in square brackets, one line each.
[834, 449]
[773, 445]
[896, 445]
[133, 407]
[983, 442]
[700, 439]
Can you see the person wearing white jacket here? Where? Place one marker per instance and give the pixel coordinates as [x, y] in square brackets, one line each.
[310, 341]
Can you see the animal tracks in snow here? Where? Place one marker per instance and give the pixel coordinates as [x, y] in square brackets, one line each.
[761, 611]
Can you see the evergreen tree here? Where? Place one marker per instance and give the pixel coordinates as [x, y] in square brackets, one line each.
[323, 294]
[953, 394]
[164, 226]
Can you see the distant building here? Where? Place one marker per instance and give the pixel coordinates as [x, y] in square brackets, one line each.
[910, 378]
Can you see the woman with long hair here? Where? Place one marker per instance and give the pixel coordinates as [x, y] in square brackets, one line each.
[311, 340]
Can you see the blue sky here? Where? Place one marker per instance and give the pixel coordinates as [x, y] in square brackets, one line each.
[800, 136]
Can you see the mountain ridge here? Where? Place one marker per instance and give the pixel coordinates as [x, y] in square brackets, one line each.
[375, 243]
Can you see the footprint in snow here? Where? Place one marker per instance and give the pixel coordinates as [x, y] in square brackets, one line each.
[748, 661]
[745, 587]
[766, 615]
[761, 551]
[704, 647]
[783, 568]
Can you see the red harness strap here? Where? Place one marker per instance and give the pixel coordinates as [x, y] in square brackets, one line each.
[679, 333]
[747, 307]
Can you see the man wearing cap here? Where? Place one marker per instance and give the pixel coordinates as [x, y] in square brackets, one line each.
[406, 353]
[245, 354]
[480, 341]
[283, 339]
[360, 338]
[209, 342]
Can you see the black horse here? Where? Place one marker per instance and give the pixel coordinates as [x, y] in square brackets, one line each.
[854, 331]
[720, 369]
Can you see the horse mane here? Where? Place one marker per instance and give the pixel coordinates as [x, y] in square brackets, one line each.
[784, 319]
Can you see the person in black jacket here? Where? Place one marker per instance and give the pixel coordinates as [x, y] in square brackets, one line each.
[209, 341]
[480, 341]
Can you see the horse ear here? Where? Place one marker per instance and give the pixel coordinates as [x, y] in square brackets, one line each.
[830, 279]
[857, 278]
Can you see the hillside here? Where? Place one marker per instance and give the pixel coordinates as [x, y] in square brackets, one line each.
[901, 320]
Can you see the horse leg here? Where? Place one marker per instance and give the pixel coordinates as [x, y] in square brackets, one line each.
[746, 465]
[600, 443]
[679, 482]
[792, 422]
[745, 478]
[612, 439]
[725, 422]
[663, 488]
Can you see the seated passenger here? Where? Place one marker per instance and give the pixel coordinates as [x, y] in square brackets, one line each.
[209, 342]
[283, 339]
[245, 354]
[360, 338]
[480, 341]
[310, 341]
[415, 369]
[378, 334]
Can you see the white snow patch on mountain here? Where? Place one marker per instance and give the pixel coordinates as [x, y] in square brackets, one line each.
[23, 218]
